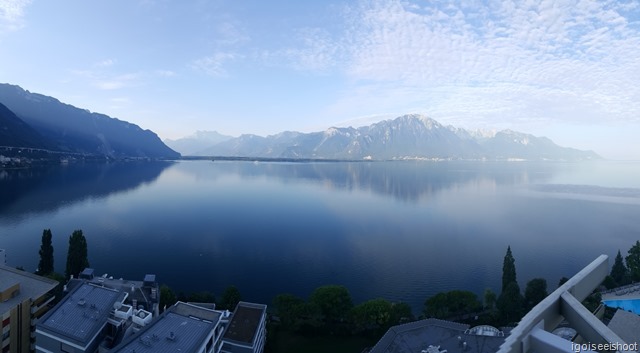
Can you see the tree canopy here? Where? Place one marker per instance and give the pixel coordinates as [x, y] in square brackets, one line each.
[633, 261]
[334, 302]
[535, 292]
[289, 308]
[619, 272]
[489, 299]
[45, 266]
[447, 304]
[77, 259]
[230, 298]
[372, 315]
[167, 297]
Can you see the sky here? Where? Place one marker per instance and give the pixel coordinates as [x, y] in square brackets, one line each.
[565, 69]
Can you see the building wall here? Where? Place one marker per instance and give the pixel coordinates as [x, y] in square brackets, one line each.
[48, 342]
[24, 311]
[5, 320]
[262, 335]
[16, 328]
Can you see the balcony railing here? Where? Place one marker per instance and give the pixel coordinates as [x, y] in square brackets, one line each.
[533, 333]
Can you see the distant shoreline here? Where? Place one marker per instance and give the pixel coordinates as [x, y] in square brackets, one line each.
[403, 159]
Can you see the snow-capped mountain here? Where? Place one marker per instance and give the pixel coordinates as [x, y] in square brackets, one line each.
[406, 137]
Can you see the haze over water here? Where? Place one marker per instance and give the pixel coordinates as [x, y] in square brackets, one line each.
[397, 230]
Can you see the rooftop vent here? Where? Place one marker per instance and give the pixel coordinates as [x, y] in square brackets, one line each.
[171, 336]
[82, 302]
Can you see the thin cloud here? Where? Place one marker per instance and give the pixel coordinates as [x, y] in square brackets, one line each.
[117, 82]
[11, 14]
[105, 63]
[562, 60]
[213, 65]
[318, 51]
[166, 73]
[107, 81]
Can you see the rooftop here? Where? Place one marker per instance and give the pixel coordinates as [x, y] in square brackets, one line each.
[244, 323]
[450, 336]
[626, 325]
[135, 289]
[31, 286]
[182, 328]
[80, 314]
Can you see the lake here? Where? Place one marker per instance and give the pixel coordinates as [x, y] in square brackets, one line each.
[398, 230]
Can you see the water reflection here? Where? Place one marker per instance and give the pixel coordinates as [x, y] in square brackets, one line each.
[399, 230]
[403, 180]
[45, 189]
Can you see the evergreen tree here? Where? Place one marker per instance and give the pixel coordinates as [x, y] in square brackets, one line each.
[633, 262]
[77, 259]
[510, 304]
[508, 269]
[45, 266]
[535, 292]
[619, 271]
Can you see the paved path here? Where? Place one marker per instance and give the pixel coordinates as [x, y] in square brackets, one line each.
[631, 291]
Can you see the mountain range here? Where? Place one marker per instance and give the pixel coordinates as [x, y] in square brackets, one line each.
[406, 137]
[15, 132]
[199, 141]
[37, 121]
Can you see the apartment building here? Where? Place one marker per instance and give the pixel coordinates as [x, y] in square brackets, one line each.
[24, 297]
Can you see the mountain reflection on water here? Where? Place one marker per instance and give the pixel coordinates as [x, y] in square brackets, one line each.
[399, 230]
[403, 180]
[46, 188]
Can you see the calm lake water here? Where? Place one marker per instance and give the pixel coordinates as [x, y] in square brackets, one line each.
[397, 230]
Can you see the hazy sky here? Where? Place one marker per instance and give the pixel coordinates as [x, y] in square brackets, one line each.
[569, 70]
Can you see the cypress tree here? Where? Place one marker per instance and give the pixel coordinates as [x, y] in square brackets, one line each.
[45, 266]
[510, 304]
[508, 269]
[77, 259]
